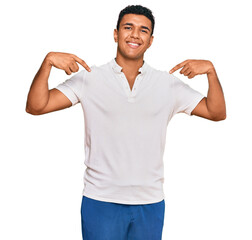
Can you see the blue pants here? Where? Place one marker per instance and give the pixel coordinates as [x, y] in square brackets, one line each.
[113, 221]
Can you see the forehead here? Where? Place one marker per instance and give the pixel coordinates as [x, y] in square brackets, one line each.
[135, 19]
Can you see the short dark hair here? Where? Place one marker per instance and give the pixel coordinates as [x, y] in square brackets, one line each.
[136, 9]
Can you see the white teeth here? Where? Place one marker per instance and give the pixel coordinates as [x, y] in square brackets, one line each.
[134, 44]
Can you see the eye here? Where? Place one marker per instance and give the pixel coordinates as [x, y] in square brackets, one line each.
[127, 27]
[144, 31]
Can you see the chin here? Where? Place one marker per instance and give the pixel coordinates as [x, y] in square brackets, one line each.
[131, 55]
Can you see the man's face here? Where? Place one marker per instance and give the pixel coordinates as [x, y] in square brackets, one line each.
[134, 36]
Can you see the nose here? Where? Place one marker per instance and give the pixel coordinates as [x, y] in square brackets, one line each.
[135, 33]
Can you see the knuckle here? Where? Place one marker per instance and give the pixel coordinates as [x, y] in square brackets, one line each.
[67, 70]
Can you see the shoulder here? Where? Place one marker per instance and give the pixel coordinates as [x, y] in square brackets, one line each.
[170, 78]
[161, 75]
[99, 69]
[97, 73]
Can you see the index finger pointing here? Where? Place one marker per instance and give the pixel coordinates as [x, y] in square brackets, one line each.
[82, 62]
[178, 66]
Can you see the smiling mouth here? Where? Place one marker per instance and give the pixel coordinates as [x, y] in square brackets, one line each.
[133, 45]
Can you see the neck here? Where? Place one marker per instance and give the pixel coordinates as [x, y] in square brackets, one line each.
[129, 66]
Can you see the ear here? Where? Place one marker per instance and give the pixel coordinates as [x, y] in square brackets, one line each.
[115, 35]
[151, 40]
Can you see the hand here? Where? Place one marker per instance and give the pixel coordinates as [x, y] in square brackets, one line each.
[191, 68]
[66, 61]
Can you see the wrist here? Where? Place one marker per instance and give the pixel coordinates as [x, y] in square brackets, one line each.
[211, 70]
[48, 60]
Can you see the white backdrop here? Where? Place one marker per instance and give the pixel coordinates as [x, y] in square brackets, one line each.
[208, 182]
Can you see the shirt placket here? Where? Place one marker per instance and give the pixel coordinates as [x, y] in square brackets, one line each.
[130, 94]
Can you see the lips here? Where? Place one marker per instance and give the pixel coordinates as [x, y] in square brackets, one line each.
[133, 44]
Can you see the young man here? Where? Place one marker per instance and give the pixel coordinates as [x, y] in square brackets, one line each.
[127, 106]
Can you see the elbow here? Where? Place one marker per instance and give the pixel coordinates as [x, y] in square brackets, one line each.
[28, 110]
[31, 111]
[219, 117]
[218, 114]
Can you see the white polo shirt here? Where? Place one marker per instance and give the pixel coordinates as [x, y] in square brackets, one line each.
[125, 131]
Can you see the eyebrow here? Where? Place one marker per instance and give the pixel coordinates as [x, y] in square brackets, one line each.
[141, 26]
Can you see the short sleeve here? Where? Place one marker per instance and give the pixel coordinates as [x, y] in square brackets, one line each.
[185, 97]
[72, 87]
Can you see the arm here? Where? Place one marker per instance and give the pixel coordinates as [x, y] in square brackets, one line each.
[213, 106]
[40, 99]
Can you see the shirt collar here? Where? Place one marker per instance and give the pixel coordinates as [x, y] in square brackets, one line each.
[117, 68]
